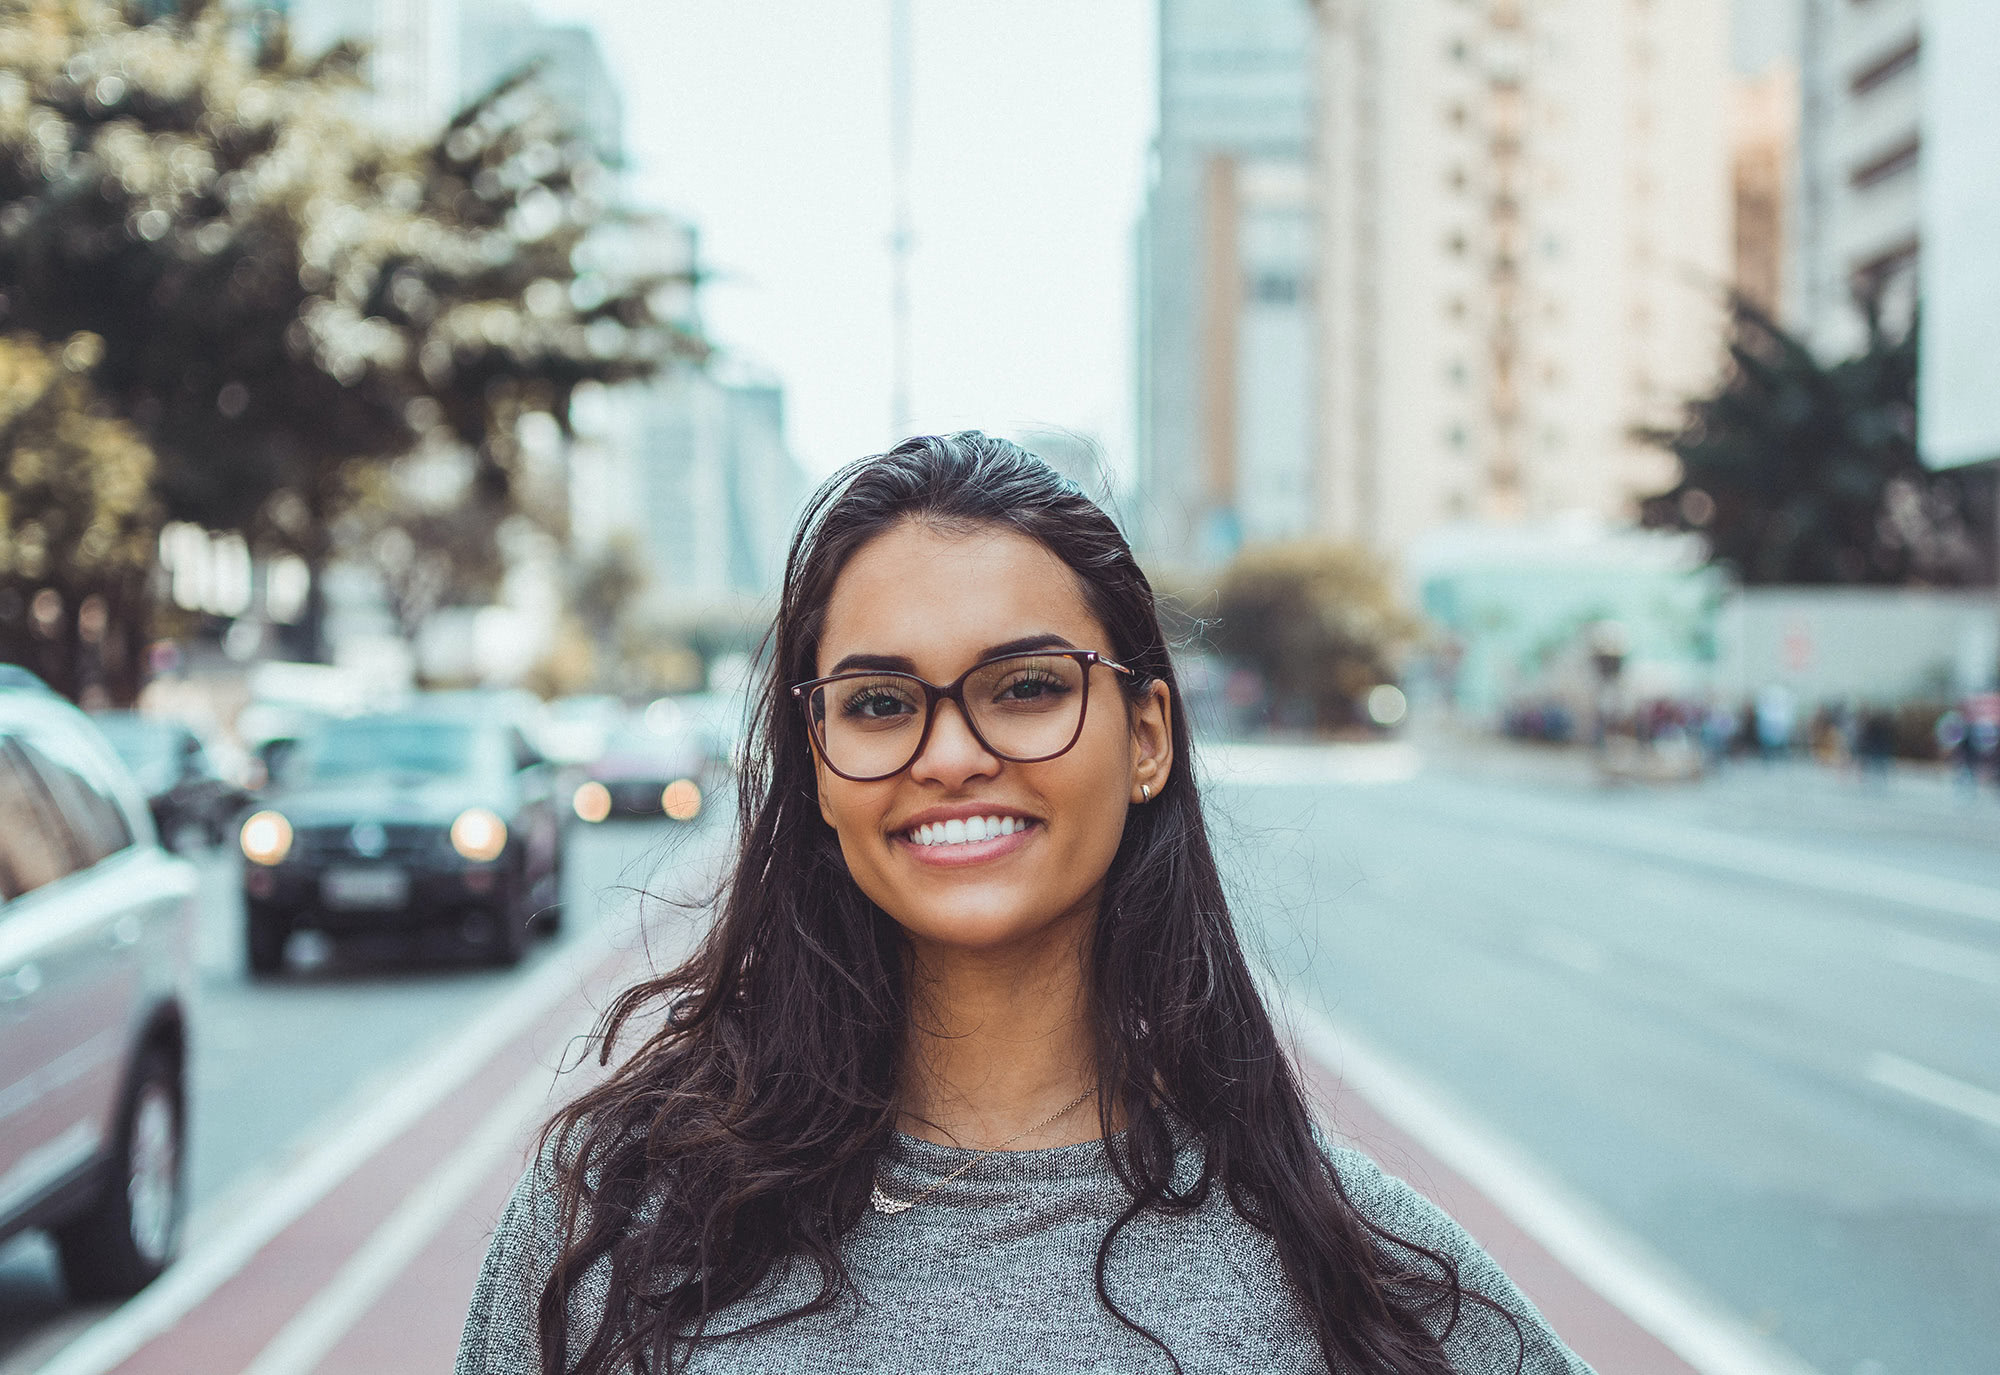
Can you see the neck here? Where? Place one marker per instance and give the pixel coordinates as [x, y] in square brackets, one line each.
[998, 1041]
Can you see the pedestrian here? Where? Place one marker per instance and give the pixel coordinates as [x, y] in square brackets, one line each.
[969, 1072]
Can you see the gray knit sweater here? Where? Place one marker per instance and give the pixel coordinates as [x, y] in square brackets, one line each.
[994, 1274]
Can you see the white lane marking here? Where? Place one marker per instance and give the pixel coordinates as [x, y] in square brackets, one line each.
[1599, 1252]
[1945, 957]
[377, 1263]
[1250, 763]
[200, 1273]
[1933, 1086]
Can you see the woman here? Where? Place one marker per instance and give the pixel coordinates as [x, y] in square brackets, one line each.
[970, 1072]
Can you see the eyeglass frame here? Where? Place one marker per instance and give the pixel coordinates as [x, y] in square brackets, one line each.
[954, 692]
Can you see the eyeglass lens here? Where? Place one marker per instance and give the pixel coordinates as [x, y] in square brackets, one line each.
[1027, 707]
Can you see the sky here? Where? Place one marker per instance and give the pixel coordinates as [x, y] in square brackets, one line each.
[766, 122]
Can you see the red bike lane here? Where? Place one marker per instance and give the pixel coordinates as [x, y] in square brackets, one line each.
[373, 1275]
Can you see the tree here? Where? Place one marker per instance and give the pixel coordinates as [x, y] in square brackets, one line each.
[78, 524]
[1321, 622]
[287, 295]
[1798, 471]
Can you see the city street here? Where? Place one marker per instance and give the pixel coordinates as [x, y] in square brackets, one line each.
[1753, 1021]
[1742, 1030]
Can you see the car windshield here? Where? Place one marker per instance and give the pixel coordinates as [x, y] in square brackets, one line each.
[352, 749]
[143, 745]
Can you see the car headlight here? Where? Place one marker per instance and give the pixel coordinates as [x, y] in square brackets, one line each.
[478, 834]
[681, 799]
[266, 838]
[592, 801]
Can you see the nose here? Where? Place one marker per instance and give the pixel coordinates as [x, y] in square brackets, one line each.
[953, 753]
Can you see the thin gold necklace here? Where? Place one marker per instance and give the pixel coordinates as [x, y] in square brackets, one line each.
[889, 1206]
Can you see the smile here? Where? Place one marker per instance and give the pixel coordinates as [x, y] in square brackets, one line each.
[970, 831]
[971, 840]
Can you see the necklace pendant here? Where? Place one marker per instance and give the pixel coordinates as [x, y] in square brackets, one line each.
[886, 1205]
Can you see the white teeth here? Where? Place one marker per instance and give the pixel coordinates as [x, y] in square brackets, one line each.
[972, 828]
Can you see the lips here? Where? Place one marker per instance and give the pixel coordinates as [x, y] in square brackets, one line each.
[952, 854]
[965, 833]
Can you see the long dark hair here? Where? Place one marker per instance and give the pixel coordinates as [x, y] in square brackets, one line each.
[743, 1132]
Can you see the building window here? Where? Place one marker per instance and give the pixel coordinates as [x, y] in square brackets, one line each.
[1898, 159]
[1887, 67]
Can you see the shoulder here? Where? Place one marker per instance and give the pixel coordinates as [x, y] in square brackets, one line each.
[1479, 1339]
[502, 1335]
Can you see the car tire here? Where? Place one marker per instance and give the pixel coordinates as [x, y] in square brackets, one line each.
[264, 937]
[130, 1233]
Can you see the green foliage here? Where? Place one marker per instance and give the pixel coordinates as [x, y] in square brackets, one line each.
[78, 525]
[285, 293]
[1798, 471]
[1321, 622]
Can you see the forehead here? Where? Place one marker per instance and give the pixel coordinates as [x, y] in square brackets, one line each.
[941, 597]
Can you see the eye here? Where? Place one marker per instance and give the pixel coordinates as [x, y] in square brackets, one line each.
[1031, 685]
[875, 702]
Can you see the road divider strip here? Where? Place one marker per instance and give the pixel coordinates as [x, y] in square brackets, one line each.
[1616, 1265]
[1935, 1087]
[376, 1264]
[288, 1197]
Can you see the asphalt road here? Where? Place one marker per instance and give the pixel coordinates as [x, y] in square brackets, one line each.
[1755, 1022]
[276, 1065]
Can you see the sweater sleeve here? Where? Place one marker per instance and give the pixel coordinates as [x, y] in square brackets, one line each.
[501, 1335]
[1482, 1342]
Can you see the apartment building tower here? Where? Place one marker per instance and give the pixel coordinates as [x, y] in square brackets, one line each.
[1860, 205]
[1524, 244]
[1225, 386]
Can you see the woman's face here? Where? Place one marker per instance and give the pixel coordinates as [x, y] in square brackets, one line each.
[939, 602]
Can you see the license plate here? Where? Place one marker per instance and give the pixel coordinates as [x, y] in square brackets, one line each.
[370, 887]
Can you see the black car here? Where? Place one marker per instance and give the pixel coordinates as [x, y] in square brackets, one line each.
[192, 803]
[404, 822]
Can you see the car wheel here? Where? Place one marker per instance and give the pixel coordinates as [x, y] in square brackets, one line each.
[264, 937]
[133, 1229]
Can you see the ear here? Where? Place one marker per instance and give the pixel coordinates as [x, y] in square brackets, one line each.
[1152, 742]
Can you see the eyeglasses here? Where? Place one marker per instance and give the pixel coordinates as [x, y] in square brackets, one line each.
[1023, 708]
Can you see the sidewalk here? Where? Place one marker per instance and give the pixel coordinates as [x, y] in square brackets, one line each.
[361, 1259]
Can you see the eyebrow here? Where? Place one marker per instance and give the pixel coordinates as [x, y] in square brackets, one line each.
[897, 663]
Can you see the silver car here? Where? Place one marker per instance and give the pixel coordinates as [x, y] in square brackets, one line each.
[95, 919]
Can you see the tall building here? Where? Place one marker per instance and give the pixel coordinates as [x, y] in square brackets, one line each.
[500, 37]
[413, 52]
[1764, 133]
[1524, 218]
[1857, 231]
[1225, 253]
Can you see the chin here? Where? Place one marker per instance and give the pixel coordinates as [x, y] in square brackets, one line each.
[977, 926]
